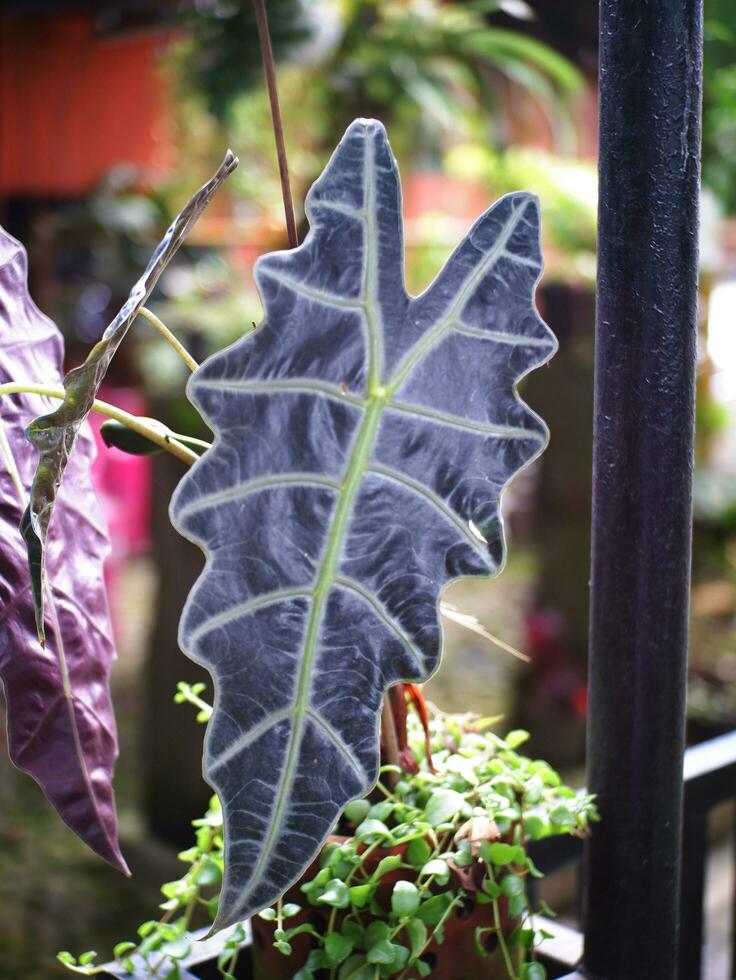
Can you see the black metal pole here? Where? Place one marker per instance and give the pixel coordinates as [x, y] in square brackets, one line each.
[650, 92]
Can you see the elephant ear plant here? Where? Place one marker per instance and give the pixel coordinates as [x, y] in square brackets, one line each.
[362, 442]
[363, 439]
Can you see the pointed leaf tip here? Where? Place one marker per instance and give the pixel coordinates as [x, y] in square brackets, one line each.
[35, 569]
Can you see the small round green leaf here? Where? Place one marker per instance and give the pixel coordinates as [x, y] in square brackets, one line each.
[533, 971]
[416, 930]
[503, 853]
[439, 869]
[442, 806]
[336, 894]
[389, 863]
[371, 828]
[357, 811]
[337, 948]
[418, 852]
[562, 817]
[177, 949]
[121, 949]
[512, 886]
[516, 738]
[405, 898]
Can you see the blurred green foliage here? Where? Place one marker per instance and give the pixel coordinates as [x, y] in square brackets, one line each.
[568, 193]
[719, 102]
[427, 63]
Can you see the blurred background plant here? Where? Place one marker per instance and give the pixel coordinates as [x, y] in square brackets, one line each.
[113, 113]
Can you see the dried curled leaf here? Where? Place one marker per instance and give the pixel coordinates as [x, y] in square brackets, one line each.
[61, 728]
[363, 440]
[54, 435]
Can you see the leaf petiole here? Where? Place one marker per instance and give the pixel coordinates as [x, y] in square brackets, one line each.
[158, 436]
[169, 337]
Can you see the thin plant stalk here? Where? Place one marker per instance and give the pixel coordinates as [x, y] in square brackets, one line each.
[169, 337]
[161, 439]
[278, 129]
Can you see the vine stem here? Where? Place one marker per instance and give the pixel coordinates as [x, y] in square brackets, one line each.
[132, 422]
[168, 336]
[505, 951]
[278, 129]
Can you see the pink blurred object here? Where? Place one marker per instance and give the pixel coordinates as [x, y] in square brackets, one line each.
[123, 482]
[123, 486]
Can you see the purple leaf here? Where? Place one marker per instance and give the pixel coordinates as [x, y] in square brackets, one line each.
[61, 728]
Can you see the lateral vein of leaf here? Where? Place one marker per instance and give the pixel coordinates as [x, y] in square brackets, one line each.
[381, 611]
[502, 338]
[343, 510]
[433, 498]
[502, 431]
[520, 259]
[241, 490]
[419, 351]
[243, 608]
[331, 205]
[301, 289]
[247, 738]
[286, 385]
[337, 740]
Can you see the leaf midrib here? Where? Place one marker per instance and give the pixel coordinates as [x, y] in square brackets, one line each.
[378, 398]
[351, 483]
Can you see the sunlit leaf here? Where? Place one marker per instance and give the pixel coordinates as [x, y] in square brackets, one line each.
[61, 728]
[54, 435]
[363, 439]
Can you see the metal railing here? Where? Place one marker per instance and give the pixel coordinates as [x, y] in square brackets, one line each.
[709, 780]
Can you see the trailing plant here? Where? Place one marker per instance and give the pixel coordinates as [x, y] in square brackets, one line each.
[449, 837]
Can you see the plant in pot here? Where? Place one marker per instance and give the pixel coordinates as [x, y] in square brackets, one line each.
[362, 441]
[427, 876]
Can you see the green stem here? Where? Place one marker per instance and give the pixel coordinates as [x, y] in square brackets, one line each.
[161, 439]
[187, 694]
[193, 900]
[503, 945]
[445, 916]
[168, 336]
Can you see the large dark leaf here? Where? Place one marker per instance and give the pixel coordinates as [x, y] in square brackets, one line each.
[54, 435]
[363, 439]
[61, 728]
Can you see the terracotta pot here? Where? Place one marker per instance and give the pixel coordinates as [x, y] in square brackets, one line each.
[455, 959]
